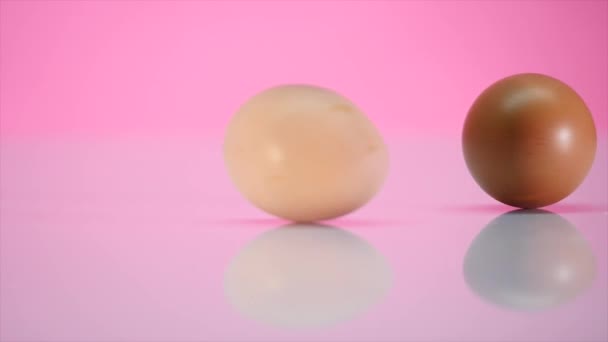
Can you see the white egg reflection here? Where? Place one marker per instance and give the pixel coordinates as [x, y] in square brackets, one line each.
[529, 260]
[306, 276]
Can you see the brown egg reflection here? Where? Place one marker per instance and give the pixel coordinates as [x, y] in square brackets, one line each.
[529, 260]
[529, 140]
[306, 276]
[304, 153]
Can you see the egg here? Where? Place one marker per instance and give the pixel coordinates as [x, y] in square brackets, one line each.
[529, 140]
[304, 153]
[529, 260]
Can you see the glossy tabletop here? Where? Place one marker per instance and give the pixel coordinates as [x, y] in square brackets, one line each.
[134, 240]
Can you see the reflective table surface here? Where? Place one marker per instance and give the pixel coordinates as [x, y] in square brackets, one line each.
[149, 241]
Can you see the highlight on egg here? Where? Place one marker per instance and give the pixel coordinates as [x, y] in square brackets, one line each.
[304, 153]
[529, 140]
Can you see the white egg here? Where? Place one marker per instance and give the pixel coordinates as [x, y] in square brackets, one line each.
[304, 153]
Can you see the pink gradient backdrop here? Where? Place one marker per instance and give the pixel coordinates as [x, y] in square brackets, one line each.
[116, 68]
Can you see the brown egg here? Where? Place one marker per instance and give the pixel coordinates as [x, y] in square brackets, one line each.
[529, 140]
[304, 153]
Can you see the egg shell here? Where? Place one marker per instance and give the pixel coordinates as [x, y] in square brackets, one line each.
[304, 153]
[529, 140]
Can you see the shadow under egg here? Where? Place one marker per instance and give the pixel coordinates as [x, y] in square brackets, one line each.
[306, 276]
[529, 260]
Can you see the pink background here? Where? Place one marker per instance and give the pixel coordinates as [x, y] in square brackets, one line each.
[117, 218]
[133, 68]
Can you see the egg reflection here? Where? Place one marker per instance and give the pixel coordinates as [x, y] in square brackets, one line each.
[306, 276]
[529, 260]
